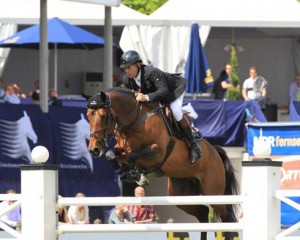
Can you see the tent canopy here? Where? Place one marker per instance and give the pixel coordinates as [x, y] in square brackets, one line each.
[28, 12]
[230, 13]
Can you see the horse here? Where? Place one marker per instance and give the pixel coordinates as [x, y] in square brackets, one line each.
[14, 137]
[77, 149]
[143, 137]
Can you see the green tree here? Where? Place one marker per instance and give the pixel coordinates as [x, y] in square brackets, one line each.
[234, 92]
[144, 6]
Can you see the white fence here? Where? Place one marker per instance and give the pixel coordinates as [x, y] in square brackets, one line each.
[260, 200]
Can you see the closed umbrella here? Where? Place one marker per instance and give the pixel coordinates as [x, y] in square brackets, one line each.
[60, 35]
[197, 70]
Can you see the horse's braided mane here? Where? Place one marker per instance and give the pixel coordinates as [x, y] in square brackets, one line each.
[121, 90]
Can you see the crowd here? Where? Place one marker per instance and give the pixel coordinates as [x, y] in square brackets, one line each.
[12, 93]
[80, 214]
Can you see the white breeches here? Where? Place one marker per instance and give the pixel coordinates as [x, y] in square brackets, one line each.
[176, 107]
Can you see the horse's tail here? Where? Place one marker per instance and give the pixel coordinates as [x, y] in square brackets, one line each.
[232, 185]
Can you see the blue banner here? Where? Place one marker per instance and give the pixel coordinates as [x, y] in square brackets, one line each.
[64, 131]
[22, 127]
[79, 171]
[285, 144]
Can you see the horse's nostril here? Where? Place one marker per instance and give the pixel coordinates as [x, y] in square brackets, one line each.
[95, 152]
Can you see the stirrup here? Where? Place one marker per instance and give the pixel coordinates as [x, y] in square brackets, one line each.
[143, 180]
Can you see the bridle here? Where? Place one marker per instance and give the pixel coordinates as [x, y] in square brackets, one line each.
[110, 117]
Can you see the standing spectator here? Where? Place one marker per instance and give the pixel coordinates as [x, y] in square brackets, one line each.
[10, 95]
[222, 83]
[79, 214]
[120, 214]
[142, 213]
[35, 94]
[12, 218]
[248, 92]
[294, 89]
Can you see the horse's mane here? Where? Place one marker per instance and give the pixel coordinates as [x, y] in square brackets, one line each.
[121, 90]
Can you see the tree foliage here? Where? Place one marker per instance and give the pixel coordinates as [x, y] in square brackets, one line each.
[144, 6]
[234, 92]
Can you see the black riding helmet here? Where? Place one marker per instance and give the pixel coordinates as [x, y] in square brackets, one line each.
[130, 57]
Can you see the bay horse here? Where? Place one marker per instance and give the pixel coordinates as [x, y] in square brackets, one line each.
[142, 136]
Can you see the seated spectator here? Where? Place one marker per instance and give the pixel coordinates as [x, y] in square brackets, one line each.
[53, 98]
[142, 213]
[79, 214]
[12, 218]
[18, 91]
[10, 95]
[62, 214]
[120, 214]
[294, 89]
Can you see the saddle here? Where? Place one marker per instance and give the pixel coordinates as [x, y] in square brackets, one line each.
[173, 127]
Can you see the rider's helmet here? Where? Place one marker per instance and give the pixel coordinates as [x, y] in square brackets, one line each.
[130, 57]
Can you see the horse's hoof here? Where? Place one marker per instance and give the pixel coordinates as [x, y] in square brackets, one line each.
[143, 180]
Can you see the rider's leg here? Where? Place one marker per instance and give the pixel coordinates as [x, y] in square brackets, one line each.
[195, 151]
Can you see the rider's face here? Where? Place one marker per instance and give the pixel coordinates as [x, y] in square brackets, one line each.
[131, 70]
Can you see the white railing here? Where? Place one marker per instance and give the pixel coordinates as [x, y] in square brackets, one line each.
[283, 196]
[260, 199]
[5, 227]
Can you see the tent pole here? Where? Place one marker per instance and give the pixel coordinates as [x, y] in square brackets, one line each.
[107, 71]
[43, 56]
[55, 66]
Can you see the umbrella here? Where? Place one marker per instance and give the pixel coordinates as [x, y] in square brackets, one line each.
[60, 35]
[197, 70]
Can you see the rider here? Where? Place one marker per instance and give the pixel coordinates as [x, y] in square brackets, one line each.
[155, 85]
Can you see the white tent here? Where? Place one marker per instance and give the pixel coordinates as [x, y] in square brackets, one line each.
[28, 12]
[230, 13]
[267, 29]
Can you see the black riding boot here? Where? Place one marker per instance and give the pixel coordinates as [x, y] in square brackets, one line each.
[195, 150]
[112, 159]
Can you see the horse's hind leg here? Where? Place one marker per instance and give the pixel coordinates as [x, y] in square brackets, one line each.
[185, 187]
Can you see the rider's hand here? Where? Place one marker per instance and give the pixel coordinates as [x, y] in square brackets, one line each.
[141, 97]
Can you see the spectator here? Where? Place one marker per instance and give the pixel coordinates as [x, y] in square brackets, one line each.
[62, 214]
[248, 91]
[120, 214]
[294, 89]
[18, 91]
[79, 214]
[10, 95]
[35, 94]
[142, 213]
[53, 98]
[12, 218]
[222, 83]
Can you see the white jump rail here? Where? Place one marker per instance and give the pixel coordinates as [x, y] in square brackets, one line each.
[283, 196]
[260, 199]
[10, 197]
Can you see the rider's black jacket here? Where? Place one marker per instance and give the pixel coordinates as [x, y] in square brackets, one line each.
[158, 85]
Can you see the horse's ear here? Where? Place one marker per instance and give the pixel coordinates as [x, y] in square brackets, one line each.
[87, 97]
[104, 97]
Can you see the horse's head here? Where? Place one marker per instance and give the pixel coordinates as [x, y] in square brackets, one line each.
[101, 122]
[26, 125]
